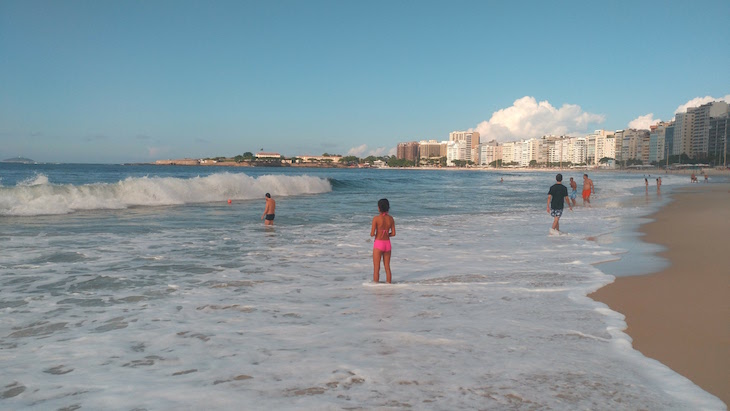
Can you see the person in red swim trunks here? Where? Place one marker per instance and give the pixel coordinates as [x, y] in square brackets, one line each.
[382, 229]
[587, 190]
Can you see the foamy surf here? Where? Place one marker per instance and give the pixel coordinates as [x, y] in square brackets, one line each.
[39, 196]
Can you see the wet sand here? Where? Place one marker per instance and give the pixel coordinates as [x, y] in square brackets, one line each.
[681, 315]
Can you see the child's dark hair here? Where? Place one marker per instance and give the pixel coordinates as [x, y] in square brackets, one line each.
[383, 205]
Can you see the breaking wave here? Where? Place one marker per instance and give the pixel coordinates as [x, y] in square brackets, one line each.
[38, 196]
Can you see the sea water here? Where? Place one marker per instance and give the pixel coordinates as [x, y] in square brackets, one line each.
[142, 288]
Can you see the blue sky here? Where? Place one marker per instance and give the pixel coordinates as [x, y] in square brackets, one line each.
[133, 81]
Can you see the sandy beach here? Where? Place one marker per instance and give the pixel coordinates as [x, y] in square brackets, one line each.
[681, 316]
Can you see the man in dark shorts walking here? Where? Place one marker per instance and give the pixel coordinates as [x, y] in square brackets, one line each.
[557, 197]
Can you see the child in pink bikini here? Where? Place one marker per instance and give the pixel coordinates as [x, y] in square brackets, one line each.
[383, 228]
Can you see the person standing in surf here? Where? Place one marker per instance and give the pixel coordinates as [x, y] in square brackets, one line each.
[588, 189]
[382, 229]
[269, 210]
[573, 190]
[557, 197]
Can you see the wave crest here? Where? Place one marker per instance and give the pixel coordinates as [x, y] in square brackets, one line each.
[40, 197]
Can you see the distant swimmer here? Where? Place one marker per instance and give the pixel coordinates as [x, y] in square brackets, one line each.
[501, 180]
[587, 190]
[573, 190]
[658, 184]
[269, 210]
[557, 197]
[382, 229]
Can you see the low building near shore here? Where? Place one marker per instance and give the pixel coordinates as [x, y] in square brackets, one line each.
[179, 162]
[264, 154]
[320, 159]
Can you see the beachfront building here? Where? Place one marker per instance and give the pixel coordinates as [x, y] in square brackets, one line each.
[471, 141]
[717, 143]
[455, 150]
[657, 141]
[530, 150]
[579, 150]
[319, 159]
[633, 143]
[682, 133]
[601, 144]
[431, 151]
[618, 137]
[669, 140]
[268, 155]
[508, 150]
[489, 153]
[408, 151]
[517, 153]
[590, 149]
[700, 131]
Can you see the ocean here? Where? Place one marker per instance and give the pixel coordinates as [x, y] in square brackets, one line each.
[141, 288]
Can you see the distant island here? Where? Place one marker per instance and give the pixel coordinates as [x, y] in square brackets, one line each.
[19, 160]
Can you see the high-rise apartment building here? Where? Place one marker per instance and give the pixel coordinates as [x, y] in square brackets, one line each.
[669, 139]
[579, 150]
[717, 147]
[431, 149]
[618, 136]
[489, 152]
[683, 133]
[601, 144]
[408, 151]
[657, 141]
[455, 150]
[635, 145]
[471, 139]
[699, 140]
[508, 153]
[530, 149]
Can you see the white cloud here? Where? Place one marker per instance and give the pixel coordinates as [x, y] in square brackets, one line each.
[643, 122]
[358, 151]
[364, 151]
[154, 152]
[528, 118]
[698, 101]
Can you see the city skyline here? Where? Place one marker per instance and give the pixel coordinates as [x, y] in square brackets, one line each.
[136, 82]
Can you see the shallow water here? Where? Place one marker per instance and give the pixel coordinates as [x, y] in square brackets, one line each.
[140, 287]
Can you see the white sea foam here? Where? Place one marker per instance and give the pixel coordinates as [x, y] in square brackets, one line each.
[37, 196]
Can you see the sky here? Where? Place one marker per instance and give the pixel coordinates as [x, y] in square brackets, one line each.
[136, 81]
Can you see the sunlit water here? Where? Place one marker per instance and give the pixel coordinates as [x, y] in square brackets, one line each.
[140, 287]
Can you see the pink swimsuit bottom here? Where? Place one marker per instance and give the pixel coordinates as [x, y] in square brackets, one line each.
[382, 245]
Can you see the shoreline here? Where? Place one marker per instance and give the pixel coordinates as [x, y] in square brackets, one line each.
[679, 315]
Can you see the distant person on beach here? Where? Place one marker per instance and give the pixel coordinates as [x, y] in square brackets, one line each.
[658, 184]
[573, 190]
[382, 229]
[587, 190]
[693, 178]
[646, 183]
[501, 180]
[269, 210]
[706, 177]
[557, 197]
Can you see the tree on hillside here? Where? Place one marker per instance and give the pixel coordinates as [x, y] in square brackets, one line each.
[247, 155]
[399, 162]
[349, 160]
